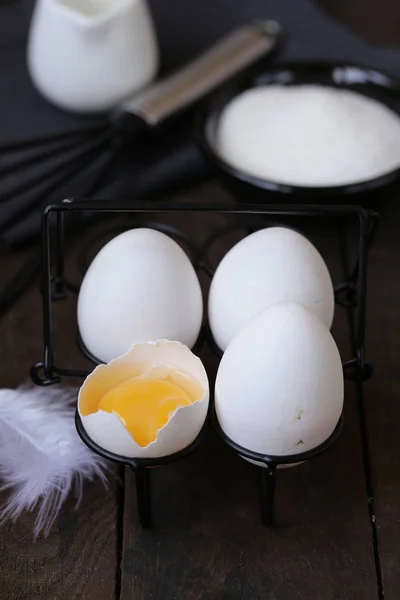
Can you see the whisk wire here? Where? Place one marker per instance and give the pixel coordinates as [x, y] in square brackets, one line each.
[19, 145]
[37, 157]
[74, 161]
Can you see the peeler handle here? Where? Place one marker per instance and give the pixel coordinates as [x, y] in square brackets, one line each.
[240, 50]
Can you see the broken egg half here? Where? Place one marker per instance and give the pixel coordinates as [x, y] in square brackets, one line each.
[149, 403]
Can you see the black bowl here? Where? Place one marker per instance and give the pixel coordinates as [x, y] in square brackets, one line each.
[248, 188]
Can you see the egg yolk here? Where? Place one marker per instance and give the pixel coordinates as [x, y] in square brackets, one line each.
[145, 404]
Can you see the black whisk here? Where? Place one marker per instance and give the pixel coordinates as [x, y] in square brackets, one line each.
[34, 171]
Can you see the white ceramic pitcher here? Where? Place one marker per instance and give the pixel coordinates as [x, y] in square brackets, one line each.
[87, 55]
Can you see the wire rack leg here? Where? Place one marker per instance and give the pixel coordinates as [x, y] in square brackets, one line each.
[142, 477]
[59, 283]
[268, 478]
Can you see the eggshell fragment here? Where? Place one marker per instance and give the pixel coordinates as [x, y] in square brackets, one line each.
[279, 388]
[268, 267]
[107, 430]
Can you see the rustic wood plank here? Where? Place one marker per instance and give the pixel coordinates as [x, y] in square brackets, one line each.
[208, 542]
[382, 395]
[79, 559]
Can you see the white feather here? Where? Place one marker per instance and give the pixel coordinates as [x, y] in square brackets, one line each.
[42, 457]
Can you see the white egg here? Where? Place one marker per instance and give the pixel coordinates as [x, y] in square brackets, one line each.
[270, 266]
[279, 388]
[184, 424]
[141, 286]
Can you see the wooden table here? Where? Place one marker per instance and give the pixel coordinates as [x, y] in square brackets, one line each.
[337, 526]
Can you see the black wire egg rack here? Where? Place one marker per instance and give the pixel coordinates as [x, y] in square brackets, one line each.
[351, 292]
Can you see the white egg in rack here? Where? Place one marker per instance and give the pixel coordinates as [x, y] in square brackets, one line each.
[279, 388]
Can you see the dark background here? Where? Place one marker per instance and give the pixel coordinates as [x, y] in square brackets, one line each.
[185, 27]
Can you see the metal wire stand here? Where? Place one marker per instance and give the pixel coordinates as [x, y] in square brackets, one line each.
[56, 287]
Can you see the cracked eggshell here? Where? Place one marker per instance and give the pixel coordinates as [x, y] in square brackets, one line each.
[279, 387]
[268, 267]
[141, 286]
[106, 429]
